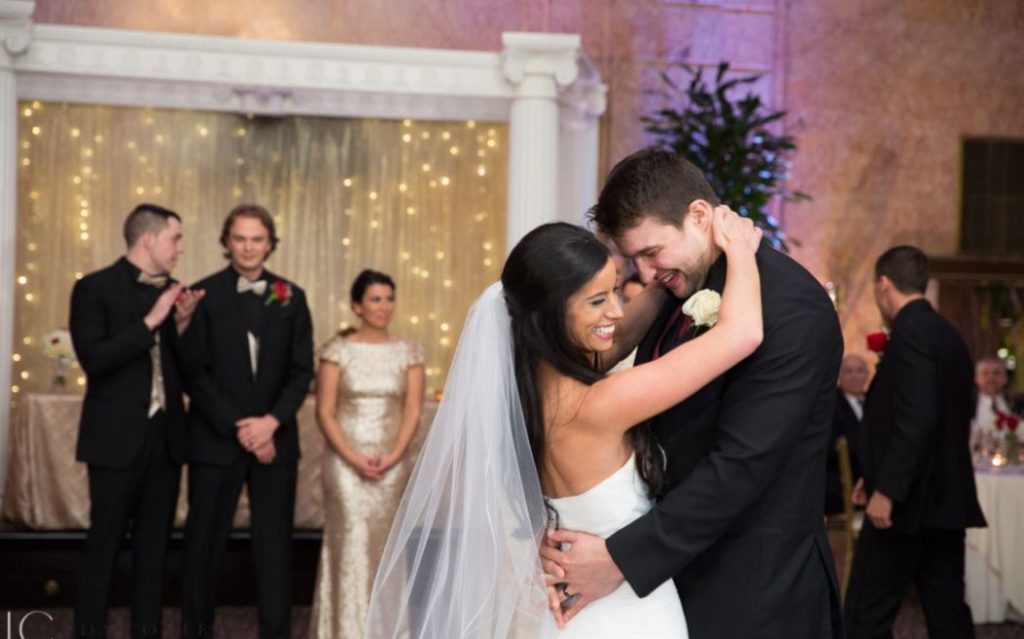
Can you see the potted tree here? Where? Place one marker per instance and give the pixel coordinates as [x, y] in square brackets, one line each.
[731, 140]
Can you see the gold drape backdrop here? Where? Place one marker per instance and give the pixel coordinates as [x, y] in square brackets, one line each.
[422, 201]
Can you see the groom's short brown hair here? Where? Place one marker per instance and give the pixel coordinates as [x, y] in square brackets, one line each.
[652, 182]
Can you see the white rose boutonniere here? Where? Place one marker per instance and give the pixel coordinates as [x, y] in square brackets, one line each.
[703, 308]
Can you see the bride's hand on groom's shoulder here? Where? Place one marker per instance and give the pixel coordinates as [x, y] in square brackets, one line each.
[732, 232]
[584, 567]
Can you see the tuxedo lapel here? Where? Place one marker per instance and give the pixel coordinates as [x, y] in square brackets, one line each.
[844, 411]
[716, 275]
[127, 292]
[267, 328]
[681, 332]
[645, 351]
[227, 298]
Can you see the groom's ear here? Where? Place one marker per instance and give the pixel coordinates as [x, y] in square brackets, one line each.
[701, 213]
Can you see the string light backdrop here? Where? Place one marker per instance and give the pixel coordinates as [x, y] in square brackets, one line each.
[422, 201]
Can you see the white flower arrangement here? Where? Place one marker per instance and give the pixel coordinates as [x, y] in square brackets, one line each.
[57, 345]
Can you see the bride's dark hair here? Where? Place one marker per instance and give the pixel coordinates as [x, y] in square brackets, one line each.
[550, 264]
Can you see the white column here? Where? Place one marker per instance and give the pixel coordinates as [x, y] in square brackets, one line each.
[537, 65]
[582, 105]
[15, 35]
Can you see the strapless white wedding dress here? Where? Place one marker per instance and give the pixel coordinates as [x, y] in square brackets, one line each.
[612, 504]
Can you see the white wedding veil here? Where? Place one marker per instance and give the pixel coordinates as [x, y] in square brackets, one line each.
[461, 559]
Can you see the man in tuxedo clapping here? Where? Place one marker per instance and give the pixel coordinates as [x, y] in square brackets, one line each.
[125, 320]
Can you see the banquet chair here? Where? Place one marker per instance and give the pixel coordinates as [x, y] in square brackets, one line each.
[842, 527]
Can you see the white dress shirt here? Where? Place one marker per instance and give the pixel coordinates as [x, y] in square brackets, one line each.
[984, 415]
[856, 402]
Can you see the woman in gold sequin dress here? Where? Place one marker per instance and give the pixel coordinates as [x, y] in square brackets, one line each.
[368, 403]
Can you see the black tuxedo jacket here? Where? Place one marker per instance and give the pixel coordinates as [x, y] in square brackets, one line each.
[844, 424]
[917, 420]
[112, 344]
[741, 528]
[219, 379]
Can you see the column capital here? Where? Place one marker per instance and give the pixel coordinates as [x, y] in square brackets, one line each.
[583, 103]
[551, 56]
[16, 25]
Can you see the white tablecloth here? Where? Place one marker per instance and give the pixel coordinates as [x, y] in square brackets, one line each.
[995, 555]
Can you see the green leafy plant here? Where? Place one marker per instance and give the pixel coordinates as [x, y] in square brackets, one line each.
[730, 140]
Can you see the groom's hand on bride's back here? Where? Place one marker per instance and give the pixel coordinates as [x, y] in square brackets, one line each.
[585, 567]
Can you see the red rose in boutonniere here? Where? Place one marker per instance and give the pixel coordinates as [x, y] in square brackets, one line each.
[281, 292]
[877, 342]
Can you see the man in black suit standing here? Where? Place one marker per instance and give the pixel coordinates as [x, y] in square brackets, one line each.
[124, 324]
[741, 527]
[918, 480]
[853, 379]
[249, 359]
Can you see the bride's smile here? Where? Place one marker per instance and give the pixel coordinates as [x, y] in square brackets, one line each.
[594, 311]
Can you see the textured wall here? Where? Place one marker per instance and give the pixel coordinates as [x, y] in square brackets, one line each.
[884, 92]
[880, 92]
[629, 40]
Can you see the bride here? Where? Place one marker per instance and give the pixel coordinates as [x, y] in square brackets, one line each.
[531, 433]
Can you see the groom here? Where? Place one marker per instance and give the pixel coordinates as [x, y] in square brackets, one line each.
[741, 528]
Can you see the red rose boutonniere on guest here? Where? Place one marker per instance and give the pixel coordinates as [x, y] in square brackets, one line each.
[281, 292]
[1007, 421]
[877, 342]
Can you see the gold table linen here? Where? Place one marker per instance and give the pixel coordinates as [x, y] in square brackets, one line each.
[47, 489]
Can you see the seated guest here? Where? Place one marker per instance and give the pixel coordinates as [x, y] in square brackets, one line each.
[628, 289]
[853, 380]
[628, 284]
[631, 288]
[990, 384]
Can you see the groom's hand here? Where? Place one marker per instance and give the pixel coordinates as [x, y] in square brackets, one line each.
[586, 567]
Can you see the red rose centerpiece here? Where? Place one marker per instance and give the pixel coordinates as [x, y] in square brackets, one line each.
[1011, 442]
